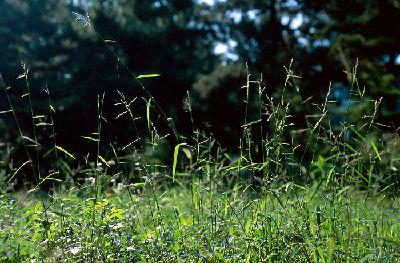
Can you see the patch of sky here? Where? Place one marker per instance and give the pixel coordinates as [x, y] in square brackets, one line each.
[285, 19]
[340, 93]
[254, 15]
[302, 41]
[210, 2]
[207, 2]
[317, 67]
[397, 60]
[290, 3]
[235, 15]
[67, 76]
[220, 48]
[85, 4]
[295, 22]
[225, 50]
[321, 43]
[384, 59]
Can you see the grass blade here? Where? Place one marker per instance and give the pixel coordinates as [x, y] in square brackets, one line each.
[148, 76]
[176, 151]
[148, 113]
[376, 151]
[65, 151]
[103, 161]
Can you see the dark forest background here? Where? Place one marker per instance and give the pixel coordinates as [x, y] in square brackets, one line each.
[199, 49]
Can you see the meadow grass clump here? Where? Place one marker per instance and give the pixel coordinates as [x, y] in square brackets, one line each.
[181, 225]
[324, 192]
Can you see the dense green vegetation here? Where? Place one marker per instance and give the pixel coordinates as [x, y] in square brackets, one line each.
[125, 137]
[205, 223]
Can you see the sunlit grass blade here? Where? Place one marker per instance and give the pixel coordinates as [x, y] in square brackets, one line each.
[16, 172]
[148, 113]
[6, 111]
[64, 151]
[176, 152]
[52, 108]
[35, 143]
[148, 76]
[251, 123]
[103, 161]
[376, 151]
[90, 138]
[38, 117]
[43, 124]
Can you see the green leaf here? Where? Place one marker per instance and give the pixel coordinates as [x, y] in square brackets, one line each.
[31, 140]
[251, 123]
[64, 151]
[148, 76]
[38, 116]
[176, 151]
[43, 124]
[104, 161]
[148, 113]
[376, 151]
[356, 132]
[328, 178]
[6, 111]
[52, 108]
[48, 152]
[90, 138]
[25, 163]
[171, 124]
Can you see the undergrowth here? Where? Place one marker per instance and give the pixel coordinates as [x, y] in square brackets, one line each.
[203, 225]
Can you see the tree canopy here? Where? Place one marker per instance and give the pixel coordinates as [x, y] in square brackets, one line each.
[79, 49]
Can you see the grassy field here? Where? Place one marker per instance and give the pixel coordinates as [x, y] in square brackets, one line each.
[201, 224]
[207, 206]
[323, 193]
